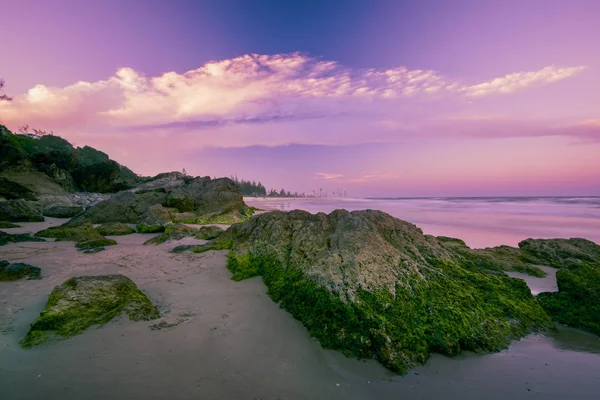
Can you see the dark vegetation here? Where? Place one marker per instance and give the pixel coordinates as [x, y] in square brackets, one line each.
[74, 168]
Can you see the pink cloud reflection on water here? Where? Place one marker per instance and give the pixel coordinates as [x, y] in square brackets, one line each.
[483, 222]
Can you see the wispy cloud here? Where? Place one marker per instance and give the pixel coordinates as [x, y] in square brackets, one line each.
[247, 89]
[519, 80]
[328, 177]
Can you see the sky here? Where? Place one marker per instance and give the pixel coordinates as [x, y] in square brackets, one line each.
[378, 98]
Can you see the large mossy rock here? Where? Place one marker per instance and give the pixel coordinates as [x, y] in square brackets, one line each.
[13, 272]
[17, 238]
[203, 199]
[374, 286]
[19, 211]
[84, 301]
[21, 182]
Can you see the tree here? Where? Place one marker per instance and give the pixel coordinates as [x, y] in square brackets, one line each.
[3, 96]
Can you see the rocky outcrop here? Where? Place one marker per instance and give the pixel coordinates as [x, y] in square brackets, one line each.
[13, 272]
[371, 285]
[207, 199]
[19, 211]
[22, 182]
[84, 301]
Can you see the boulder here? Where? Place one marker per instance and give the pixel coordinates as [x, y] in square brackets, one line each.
[13, 272]
[22, 182]
[62, 210]
[376, 287]
[19, 211]
[155, 219]
[211, 200]
[126, 207]
[84, 301]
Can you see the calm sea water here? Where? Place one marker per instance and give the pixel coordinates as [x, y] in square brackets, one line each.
[480, 222]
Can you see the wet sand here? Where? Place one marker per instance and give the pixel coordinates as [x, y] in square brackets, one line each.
[219, 339]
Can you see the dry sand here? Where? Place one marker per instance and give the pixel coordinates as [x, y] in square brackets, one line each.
[219, 339]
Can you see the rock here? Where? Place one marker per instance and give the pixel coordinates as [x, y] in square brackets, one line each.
[84, 301]
[187, 247]
[208, 232]
[127, 207]
[13, 272]
[115, 229]
[91, 250]
[95, 243]
[184, 218]
[22, 182]
[376, 287]
[65, 232]
[19, 211]
[577, 302]
[211, 200]
[172, 232]
[7, 225]
[560, 253]
[155, 219]
[62, 211]
[501, 258]
[16, 238]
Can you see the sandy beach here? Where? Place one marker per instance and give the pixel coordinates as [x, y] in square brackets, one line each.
[219, 339]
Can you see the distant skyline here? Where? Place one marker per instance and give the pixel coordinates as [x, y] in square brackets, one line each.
[381, 99]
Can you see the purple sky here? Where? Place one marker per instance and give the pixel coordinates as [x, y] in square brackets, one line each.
[387, 98]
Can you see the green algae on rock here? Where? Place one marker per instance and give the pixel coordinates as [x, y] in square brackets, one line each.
[374, 286]
[17, 238]
[13, 272]
[65, 232]
[115, 229]
[84, 301]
